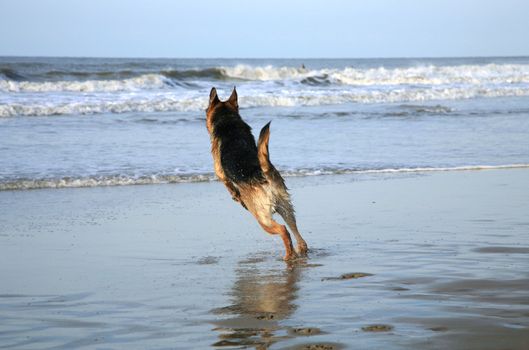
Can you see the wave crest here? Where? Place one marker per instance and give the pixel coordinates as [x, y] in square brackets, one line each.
[165, 102]
[429, 75]
[143, 82]
[128, 80]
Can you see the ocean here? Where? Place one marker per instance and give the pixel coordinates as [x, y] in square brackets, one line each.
[79, 122]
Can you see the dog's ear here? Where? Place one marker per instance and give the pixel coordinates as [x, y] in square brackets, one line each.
[213, 98]
[233, 99]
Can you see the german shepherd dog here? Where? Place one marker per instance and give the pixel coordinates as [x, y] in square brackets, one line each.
[246, 170]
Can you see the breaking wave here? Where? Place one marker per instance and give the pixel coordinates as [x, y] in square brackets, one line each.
[127, 80]
[123, 180]
[11, 74]
[420, 75]
[60, 91]
[170, 101]
[155, 104]
[143, 82]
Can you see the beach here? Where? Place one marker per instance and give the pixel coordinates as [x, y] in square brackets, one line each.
[418, 260]
[128, 129]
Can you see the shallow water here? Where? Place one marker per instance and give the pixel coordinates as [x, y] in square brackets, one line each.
[441, 262]
[67, 122]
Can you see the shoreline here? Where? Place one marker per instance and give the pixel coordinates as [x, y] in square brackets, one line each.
[410, 261]
[163, 179]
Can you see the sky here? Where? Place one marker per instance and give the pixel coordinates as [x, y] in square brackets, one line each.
[264, 29]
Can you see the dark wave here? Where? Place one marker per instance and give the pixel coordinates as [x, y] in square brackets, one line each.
[11, 74]
[123, 74]
[214, 73]
[178, 76]
[321, 80]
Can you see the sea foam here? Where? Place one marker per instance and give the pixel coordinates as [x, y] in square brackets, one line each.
[124, 180]
[419, 75]
[171, 101]
[142, 82]
[429, 74]
[259, 86]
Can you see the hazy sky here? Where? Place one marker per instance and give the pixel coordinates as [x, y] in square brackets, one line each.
[271, 28]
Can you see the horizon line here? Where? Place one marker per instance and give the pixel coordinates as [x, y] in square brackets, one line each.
[270, 58]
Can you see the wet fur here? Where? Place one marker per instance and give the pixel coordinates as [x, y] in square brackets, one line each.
[246, 170]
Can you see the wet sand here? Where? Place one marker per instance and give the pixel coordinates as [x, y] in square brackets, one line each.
[416, 261]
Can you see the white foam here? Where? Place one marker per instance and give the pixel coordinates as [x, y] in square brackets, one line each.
[155, 92]
[437, 169]
[163, 102]
[433, 75]
[142, 82]
[318, 172]
[119, 104]
[102, 181]
[122, 180]
[430, 74]
[247, 72]
[420, 75]
[315, 98]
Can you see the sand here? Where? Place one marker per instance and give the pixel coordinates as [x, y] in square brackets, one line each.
[415, 261]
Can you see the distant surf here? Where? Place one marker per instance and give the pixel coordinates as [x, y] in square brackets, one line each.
[90, 91]
[419, 74]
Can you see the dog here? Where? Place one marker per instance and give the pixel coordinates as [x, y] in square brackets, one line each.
[246, 170]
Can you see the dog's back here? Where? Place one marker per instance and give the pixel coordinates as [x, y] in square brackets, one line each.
[238, 152]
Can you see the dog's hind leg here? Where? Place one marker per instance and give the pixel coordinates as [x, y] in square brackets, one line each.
[286, 211]
[274, 228]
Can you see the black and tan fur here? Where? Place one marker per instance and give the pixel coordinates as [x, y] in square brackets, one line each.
[247, 172]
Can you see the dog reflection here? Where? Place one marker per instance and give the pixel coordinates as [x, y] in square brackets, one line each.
[260, 300]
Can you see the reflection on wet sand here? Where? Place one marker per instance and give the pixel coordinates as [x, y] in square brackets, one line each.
[261, 298]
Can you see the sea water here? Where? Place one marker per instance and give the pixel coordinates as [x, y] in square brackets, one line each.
[75, 122]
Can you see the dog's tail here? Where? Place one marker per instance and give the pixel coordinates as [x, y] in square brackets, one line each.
[262, 149]
[281, 198]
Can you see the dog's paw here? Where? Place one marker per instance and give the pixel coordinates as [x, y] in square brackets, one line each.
[290, 256]
[302, 249]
